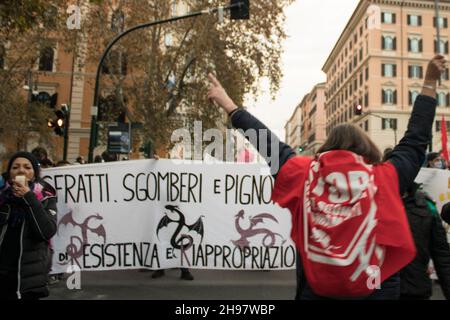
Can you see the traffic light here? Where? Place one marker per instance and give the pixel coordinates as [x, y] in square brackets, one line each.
[241, 12]
[300, 149]
[60, 123]
[147, 149]
[358, 110]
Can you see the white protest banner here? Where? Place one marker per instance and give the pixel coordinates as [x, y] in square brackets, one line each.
[436, 182]
[157, 214]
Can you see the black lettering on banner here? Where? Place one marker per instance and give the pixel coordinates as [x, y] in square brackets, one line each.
[169, 253]
[81, 187]
[200, 189]
[229, 185]
[94, 254]
[173, 186]
[255, 254]
[241, 258]
[226, 254]
[120, 255]
[217, 253]
[85, 255]
[275, 257]
[89, 176]
[216, 186]
[184, 256]
[126, 187]
[162, 178]
[200, 255]
[209, 252]
[141, 194]
[269, 193]
[126, 253]
[183, 187]
[292, 252]
[100, 185]
[107, 187]
[248, 196]
[113, 257]
[137, 254]
[151, 174]
[68, 188]
[192, 187]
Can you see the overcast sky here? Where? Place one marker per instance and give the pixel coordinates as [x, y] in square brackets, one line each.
[313, 27]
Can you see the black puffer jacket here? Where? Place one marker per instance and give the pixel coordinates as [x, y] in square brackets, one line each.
[27, 247]
[431, 242]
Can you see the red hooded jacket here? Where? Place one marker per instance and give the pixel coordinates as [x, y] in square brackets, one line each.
[346, 220]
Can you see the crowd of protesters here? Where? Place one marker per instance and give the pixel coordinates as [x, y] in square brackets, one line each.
[392, 232]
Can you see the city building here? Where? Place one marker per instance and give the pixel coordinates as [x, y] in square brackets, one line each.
[305, 130]
[379, 63]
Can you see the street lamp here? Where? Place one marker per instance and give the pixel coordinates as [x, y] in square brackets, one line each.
[240, 10]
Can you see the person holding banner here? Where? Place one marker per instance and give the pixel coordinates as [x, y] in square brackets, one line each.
[27, 223]
[348, 221]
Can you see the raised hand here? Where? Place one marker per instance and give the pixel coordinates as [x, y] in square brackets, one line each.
[435, 67]
[218, 94]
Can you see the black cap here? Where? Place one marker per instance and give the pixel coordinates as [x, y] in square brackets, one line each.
[26, 155]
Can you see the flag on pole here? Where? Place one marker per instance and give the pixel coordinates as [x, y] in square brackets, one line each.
[444, 139]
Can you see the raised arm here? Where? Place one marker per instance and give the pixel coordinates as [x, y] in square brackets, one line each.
[409, 154]
[275, 152]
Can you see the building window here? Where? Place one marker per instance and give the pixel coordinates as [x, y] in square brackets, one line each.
[360, 31]
[355, 61]
[46, 57]
[443, 22]
[366, 125]
[366, 100]
[445, 75]
[361, 79]
[443, 46]
[388, 43]
[415, 45]
[367, 73]
[389, 96]
[388, 123]
[360, 54]
[412, 96]
[438, 125]
[388, 70]
[443, 99]
[387, 17]
[415, 72]
[414, 20]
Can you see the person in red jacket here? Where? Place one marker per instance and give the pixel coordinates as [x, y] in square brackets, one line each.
[348, 222]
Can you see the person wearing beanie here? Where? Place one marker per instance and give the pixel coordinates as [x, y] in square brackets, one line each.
[27, 222]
